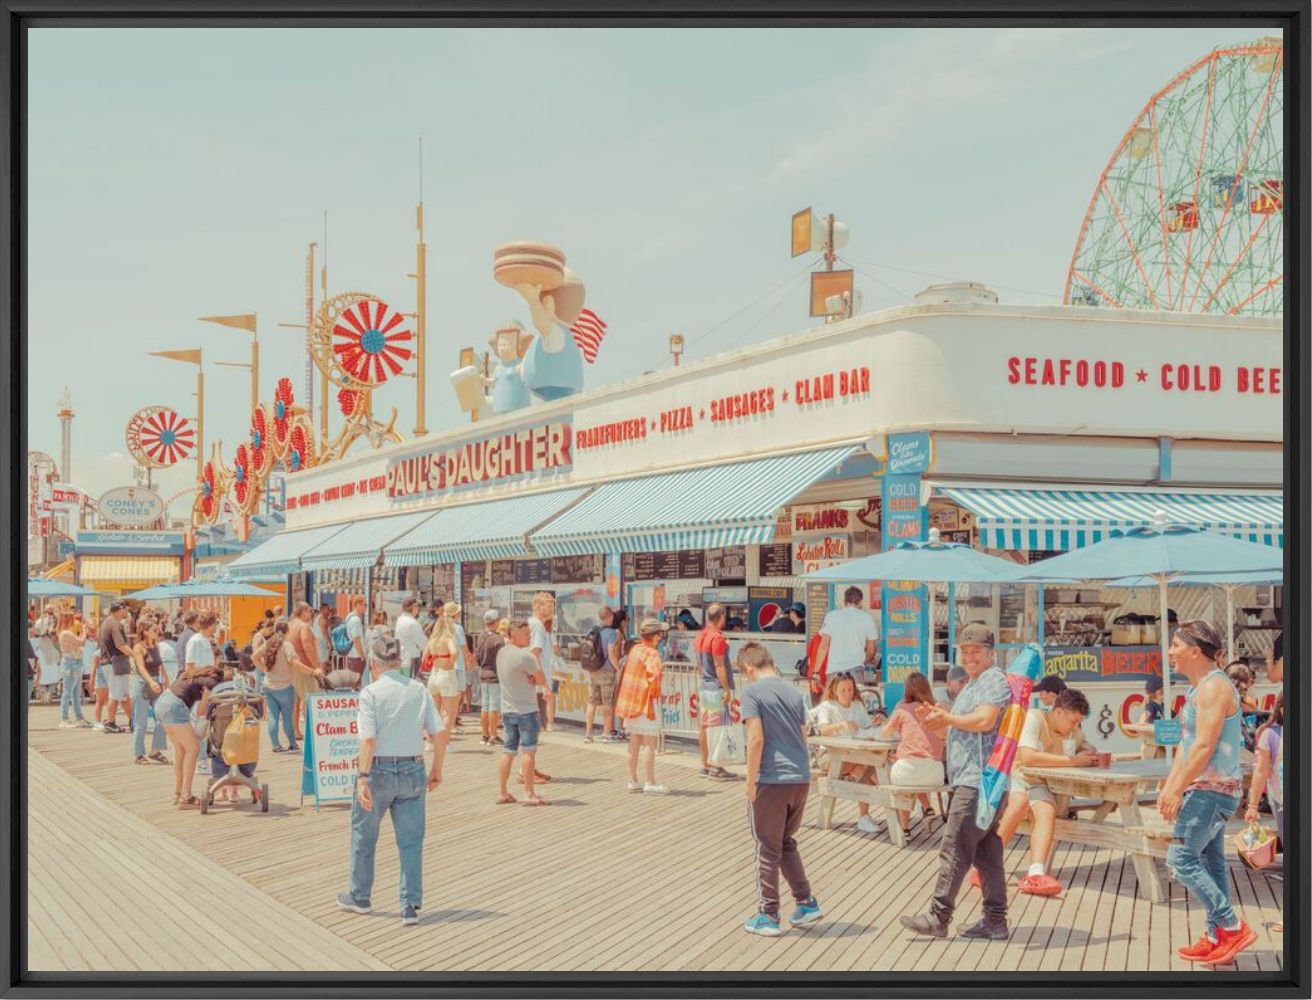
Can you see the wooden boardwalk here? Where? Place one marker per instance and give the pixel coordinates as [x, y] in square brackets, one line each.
[600, 880]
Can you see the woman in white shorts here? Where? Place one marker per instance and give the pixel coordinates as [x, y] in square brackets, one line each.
[443, 680]
[919, 750]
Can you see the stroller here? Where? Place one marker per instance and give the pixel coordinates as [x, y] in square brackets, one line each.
[218, 717]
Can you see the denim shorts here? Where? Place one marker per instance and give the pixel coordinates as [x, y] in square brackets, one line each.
[521, 732]
[118, 686]
[489, 696]
[100, 677]
[171, 711]
[219, 768]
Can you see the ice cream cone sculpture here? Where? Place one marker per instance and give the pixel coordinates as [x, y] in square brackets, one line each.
[1022, 675]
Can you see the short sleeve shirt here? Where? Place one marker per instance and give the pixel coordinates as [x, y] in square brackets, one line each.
[968, 752]
[608, 637]
[710, 643]
[354, 630]
[782, 711]
[849, 629]
[515, 666]
[199, 651]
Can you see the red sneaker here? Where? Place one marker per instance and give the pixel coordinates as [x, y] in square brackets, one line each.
[1042, 885]
[1197, 951]
[974, 877]
[1230, 943]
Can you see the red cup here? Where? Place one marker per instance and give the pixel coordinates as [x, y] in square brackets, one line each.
[1104, 760]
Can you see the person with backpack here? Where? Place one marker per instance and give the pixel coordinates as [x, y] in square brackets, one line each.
[348, 637]
[600, 659]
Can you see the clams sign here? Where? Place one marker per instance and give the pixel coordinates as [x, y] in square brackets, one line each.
[130, 507]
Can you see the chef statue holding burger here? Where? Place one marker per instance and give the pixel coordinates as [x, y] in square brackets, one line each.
[552, 365]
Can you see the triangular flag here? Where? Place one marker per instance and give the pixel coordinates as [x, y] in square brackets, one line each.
[191, 356]
[243, 322]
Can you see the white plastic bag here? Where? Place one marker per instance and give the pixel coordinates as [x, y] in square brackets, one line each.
[727, 744]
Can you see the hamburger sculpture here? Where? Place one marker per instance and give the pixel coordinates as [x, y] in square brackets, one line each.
[549, 366]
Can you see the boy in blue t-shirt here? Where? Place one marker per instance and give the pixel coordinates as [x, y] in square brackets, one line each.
[778, 778]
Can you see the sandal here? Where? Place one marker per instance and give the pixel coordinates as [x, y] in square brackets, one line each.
[190, 802]
[539, 776]
[536, 800]
[141, 760]
[159, 757]
[505, 800]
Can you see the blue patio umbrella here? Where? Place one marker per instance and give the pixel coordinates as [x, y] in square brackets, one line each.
[922, 562]
[38, 587]
[223, 588]
[1162, 553]
[159, 592]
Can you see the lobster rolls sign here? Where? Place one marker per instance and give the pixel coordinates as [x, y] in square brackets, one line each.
[516, 454]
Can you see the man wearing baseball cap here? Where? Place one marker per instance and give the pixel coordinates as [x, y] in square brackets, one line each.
[972, 726]
[486, 647]
[792, 621]
[396, 716]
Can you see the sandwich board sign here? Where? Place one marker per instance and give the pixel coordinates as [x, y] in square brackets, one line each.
[331, 758]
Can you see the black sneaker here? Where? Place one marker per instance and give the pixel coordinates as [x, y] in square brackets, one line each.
[113, 727]
[925, 923]
[985, 931]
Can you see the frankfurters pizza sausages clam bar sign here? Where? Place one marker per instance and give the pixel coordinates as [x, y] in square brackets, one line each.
[1000, 369]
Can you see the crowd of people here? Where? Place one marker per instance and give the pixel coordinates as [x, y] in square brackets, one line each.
[418, 674]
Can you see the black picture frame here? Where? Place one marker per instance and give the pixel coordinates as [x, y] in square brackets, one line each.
[1292, 16]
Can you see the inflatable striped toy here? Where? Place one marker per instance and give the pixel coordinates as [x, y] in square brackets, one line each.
[1022, 675]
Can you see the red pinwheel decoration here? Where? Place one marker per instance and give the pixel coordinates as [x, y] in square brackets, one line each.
[283, 399]
[300, 446]
[370, 341]
[245, 480]
[349, 400]
[166, 437]
[260, 452]
[209, 499]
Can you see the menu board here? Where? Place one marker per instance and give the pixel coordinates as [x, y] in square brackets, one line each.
[692, 564]
[531, 571]
[576, 569]
[776, 560]
[817, 606]
[444, 580]
[728, 563]
[503, 573]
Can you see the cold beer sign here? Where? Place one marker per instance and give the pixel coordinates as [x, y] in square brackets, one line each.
[904, 636]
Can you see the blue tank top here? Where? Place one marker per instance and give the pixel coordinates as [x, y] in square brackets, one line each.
[1221, 773]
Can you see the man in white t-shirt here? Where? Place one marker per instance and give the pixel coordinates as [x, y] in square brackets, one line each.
[848, 636]
[355, 632]
[410, 634]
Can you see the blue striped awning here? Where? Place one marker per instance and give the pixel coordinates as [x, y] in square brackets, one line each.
[359, 545]
[695, 509]
[494, 529]
[282, 553]
[1059, 520]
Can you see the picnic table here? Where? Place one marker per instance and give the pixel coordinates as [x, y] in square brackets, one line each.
[1114, 789]
[884, 795]
[1147, 738]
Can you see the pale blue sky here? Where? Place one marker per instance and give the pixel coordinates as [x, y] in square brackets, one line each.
[181, 173]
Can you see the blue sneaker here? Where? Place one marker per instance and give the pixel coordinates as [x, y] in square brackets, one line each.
[806, 913]
[346, 902]
[409, 915]
[763, 925]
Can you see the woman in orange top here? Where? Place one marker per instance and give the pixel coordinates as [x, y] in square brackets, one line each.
[639, 698]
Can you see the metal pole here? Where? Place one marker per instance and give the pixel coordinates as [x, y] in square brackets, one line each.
[421, 321]
[323, 375]
[255, 370]
[200, 422]
[1164, 641]
[1229, 622]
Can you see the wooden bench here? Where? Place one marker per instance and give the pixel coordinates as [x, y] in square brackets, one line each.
[887, 799]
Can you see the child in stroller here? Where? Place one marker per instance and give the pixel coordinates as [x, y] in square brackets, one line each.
[224, 699]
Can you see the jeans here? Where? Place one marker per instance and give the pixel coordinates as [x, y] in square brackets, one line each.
[965, 844]
[775, 817]
[282, 705]
[398, 787]
[1196, 857]
[140, 713]
[70, 699]
[259, 682]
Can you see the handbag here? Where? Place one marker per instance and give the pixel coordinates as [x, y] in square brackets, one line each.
[241, 740]
[1256, 846]
[727, 744]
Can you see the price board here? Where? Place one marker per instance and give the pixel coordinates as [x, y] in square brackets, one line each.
[503, 573]
[576, 569]
[775, 560]
[728, 563]
[692, 564]
[532, 571]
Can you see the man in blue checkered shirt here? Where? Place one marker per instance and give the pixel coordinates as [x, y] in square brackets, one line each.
[396, 716]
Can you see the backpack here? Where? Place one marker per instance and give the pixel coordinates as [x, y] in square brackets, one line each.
[592, 656]
[341, 640]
